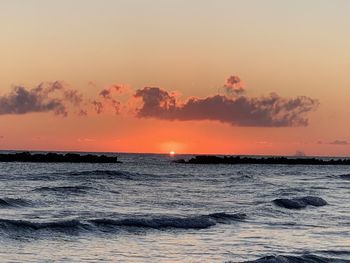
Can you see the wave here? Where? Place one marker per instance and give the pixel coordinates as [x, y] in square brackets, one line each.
[147, 222]
[243, 177]
[196, 222]
[13, 202]
[334, 252]
[78, 189]
[225, 216]
[80, 175]
[105, 174]
[298, 259]
[339, 176]
[298, 203]
[161, 222]
[344, 176]
[15, 225]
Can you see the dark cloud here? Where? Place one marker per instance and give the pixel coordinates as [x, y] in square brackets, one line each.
[106, 100]
[47, 97]
[268, 111]
[234, 108]
[98, 106]
[107, 92]
[58, 98]
[340, 142]
[234, 85]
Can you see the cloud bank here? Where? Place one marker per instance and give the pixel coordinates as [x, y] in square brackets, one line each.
[238, 110]
[234, 107]
[53, 97]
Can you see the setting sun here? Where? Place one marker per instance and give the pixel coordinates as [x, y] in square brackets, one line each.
[172, 153]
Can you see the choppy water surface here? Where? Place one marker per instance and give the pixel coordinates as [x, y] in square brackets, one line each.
[148, 209]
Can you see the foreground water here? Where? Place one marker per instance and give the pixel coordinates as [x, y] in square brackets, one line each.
[148, 209]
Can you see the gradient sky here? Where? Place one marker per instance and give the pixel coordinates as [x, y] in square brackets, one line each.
[290, 47]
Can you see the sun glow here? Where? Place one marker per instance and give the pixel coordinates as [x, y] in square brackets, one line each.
[172, 153]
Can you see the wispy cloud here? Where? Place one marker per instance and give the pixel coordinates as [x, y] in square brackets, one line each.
[85, 140]
[340, 142]
[299, 153]
[335, 142]
[107, 100]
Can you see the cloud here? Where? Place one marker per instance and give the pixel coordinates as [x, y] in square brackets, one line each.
[85, 140]
[107, 92]
[267, 111]
[299, 153]
[340, 142]
[58, 98]
[234, 107]
[53, 97]
[82, 112]
[106, 100]
[234, 85]
[98, 106]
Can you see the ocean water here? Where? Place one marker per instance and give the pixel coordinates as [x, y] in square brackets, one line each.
[149, 209]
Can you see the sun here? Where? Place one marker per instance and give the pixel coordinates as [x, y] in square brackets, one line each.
[172, 153]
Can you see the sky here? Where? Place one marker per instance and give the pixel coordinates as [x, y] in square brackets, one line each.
[227, 76]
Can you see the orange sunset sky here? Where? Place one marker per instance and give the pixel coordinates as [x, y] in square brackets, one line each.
[227, 76]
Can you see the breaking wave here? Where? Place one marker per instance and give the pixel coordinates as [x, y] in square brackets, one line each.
[191, 222]
[344, 176]
[301, 202]
[13, 202]
[15, 225]
[148, 222]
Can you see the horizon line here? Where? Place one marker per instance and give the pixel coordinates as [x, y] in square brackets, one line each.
[168, 153]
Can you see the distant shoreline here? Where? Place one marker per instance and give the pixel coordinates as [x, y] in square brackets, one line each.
[212, 159]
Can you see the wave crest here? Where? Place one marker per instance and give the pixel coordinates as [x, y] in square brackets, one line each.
[161, 222]
[64, 189]
[28, 225]
[344, 176]
[13, 202]
[199, 222]
[146, 222]
[104, 174]
[301, 202]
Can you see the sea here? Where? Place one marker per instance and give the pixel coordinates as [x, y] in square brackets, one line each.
[150, 209]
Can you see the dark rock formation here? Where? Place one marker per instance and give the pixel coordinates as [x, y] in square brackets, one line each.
[57, 158]
[211, 159]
